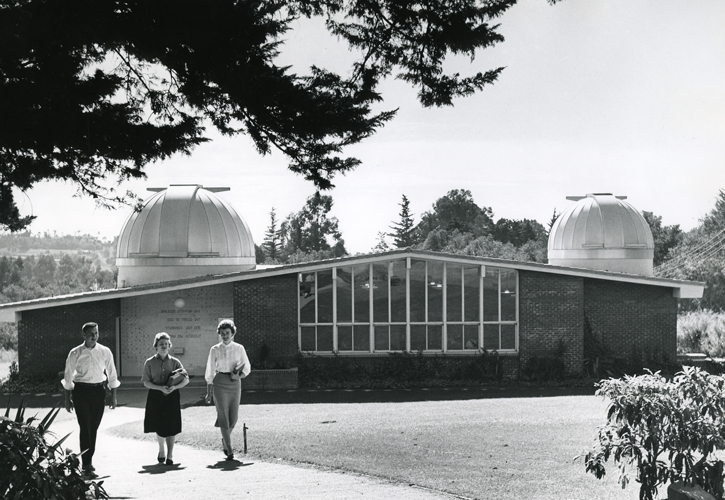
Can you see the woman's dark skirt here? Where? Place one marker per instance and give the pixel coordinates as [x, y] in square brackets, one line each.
[227, 396]
[163, 413]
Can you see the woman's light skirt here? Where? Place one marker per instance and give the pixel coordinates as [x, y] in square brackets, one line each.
[227, 396]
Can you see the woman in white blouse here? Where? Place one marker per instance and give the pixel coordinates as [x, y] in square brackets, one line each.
[227, 365]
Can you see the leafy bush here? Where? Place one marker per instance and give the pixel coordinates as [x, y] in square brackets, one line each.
[21, 384]
[8, 337]
[668, 430]
[701, 331]
[31, 468]
[547, 368]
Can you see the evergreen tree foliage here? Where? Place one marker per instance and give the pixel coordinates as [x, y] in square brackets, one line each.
[552, 221]
[272, 238]
[382, 244]
[93, 91]
[404, 230]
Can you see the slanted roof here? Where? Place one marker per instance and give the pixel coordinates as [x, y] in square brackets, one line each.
[680, 288]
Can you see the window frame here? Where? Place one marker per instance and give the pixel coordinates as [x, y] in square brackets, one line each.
[371, 324]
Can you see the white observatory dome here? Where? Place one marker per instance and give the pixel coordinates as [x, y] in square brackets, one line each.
[603, 232]
[183, 231]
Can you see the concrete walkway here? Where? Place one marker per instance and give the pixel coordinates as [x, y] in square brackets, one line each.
[129, 471]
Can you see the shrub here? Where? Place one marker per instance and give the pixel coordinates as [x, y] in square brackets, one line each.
[31, 468]
[668, 430]
[22, 384]
[547, 368]
[396, 370]
[701, 331]
[8, 337]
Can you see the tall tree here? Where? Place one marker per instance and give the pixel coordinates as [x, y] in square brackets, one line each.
[272, 238]
[715, 221]
[665, 237]
[404, 230]
[312, 229]
[381, 245]
[552, 221]
[457, 211]
[92, 91]
[518, 232]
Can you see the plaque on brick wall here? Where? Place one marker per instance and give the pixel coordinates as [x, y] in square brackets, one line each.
[188, 316]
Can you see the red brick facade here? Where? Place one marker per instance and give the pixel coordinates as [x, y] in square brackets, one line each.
[633, 320]
[265, 311]
[46, 335]
[551, 309]
[638, 322]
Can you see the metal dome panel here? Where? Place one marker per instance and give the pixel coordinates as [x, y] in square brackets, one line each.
[602, 231]
[183, 231]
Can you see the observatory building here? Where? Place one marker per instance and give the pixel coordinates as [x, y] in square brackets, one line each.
[602, 231]
[186, 260]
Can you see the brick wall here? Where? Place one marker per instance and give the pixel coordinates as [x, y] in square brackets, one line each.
[265, 311]
[638, 322]
[551, 308]
[46, 335]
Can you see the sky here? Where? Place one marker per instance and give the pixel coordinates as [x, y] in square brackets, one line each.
[598, 96]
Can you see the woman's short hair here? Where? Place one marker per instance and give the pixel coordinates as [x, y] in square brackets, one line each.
[161, 336]
[226, 323]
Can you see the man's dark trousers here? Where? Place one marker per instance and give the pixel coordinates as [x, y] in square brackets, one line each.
[89, 402]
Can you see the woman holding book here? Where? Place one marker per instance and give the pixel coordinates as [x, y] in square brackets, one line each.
[163, 375]
[227, 365]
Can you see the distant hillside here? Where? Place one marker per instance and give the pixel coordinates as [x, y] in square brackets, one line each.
[27, 244]
[26, 241]
[45, 265]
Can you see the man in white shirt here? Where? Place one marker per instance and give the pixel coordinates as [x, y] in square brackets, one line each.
[87, 368]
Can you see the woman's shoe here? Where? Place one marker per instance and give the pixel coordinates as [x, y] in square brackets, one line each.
[161, 459]
[230, 456]
[169, 461]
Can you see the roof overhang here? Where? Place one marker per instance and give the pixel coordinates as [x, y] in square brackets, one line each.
[680, 288]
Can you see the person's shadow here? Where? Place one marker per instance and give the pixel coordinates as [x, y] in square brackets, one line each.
[228, 465]
[160, 468]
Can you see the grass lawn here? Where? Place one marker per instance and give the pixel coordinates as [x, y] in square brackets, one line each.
[518, 448]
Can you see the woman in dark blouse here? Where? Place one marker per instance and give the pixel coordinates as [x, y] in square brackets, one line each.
[163, 404]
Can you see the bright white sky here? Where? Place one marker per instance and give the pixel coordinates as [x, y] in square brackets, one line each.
[619, 96]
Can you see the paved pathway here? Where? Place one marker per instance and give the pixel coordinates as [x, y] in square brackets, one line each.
[129, 471]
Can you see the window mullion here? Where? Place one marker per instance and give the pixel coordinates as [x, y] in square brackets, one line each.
[407, 304]
[445, 307]
[371, 330]
[334, 309]
[482, 274]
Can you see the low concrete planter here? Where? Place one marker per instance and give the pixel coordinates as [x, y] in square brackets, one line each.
[271, 379]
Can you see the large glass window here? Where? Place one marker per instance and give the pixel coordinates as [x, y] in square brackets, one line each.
[361, 299]
[397, 291]
[435, 291]
[417, 304]
[344, 294]
[418, 290]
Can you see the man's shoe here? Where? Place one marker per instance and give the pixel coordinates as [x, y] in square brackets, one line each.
[89, 474]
